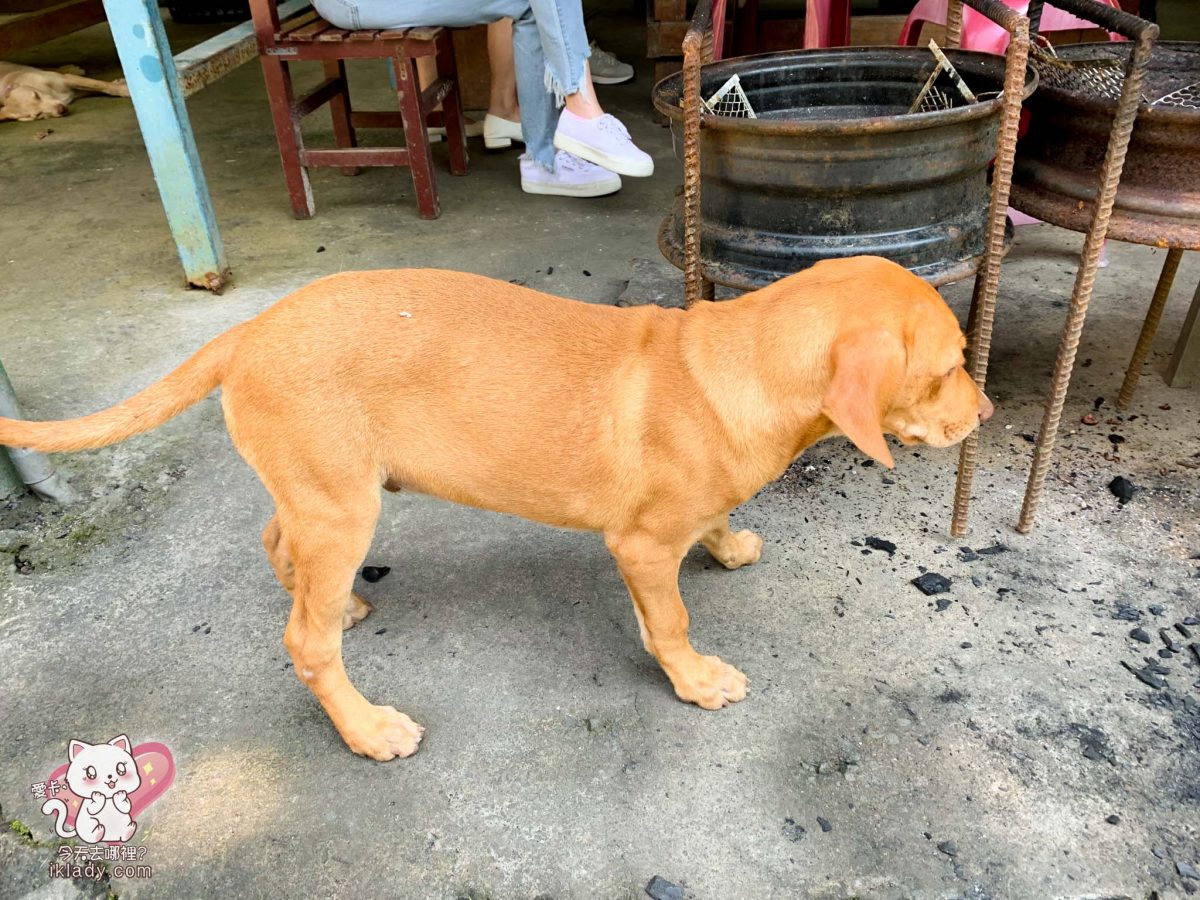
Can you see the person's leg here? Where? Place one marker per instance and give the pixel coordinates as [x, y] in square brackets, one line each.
[502, 124]
[503, 94]
[583, 128]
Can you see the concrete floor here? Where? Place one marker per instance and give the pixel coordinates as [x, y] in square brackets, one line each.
[557, 762]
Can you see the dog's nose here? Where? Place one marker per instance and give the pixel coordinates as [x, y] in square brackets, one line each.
[985, 407]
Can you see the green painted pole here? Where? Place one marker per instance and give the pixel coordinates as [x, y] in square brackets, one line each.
[32, 469]
[10, 484]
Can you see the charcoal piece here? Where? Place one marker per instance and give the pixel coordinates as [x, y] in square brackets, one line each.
[877, 543]
[661, 889]
[1094, 744]
[932, 583]
[792, 831]
[1122, 488]
[1145, 677]
[372, 574]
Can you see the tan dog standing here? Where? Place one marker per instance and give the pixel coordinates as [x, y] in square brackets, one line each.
[648, 425]
[27, 94]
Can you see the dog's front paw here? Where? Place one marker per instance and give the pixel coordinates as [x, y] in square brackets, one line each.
[709, 682]
[386, 734]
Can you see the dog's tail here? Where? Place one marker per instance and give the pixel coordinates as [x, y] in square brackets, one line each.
[148, 409]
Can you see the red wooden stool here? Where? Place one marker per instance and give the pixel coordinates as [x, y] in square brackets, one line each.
[309, 37]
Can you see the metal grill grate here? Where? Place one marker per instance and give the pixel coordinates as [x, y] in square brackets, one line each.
[1100, 76]
[730, 101]
[1187, 97]
[931, 98]
[935, 100]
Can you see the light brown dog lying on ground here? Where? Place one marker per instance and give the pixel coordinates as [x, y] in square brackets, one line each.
[648, 425]
[27, 94]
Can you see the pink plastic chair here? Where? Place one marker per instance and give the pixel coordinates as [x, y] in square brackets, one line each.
[827, 23]
[981, 33]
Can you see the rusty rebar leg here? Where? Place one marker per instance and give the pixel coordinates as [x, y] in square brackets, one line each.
[1085, 277]
[1161, 291]
[1185, 363]
[987, 282]
[693, 51]
[954, 23]
[973, 318]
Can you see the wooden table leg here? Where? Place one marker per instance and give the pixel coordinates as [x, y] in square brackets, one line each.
[149, 68]
[1185, 364]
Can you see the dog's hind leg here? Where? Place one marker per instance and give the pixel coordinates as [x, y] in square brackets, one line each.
[732, 550]
[651, 572]
[357, 608]
[327, 534]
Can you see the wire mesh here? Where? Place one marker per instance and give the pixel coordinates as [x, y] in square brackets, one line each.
[1186, 97]
[932, 98]
[730, 101]
[936, 100]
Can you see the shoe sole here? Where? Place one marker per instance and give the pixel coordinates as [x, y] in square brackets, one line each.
[610, 79]
[499, 143]
[592, 155]
[600, 189]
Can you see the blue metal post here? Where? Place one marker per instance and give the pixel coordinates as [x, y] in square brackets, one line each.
[141, 41]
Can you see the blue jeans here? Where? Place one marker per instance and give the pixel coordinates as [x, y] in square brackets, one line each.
[550, 47]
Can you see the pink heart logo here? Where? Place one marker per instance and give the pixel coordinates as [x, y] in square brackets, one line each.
[155, 765]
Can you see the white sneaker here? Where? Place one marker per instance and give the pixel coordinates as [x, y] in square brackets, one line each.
[606, 68]
[603, 141]
[572, 177]
[474, 128]
[499, 133]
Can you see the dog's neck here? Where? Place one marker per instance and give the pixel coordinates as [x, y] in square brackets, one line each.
[756, 374]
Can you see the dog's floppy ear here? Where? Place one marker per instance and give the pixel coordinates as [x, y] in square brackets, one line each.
[868, 369]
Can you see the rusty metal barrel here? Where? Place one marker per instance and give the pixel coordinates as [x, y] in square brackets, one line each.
[834, 165]
[1071, 115]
